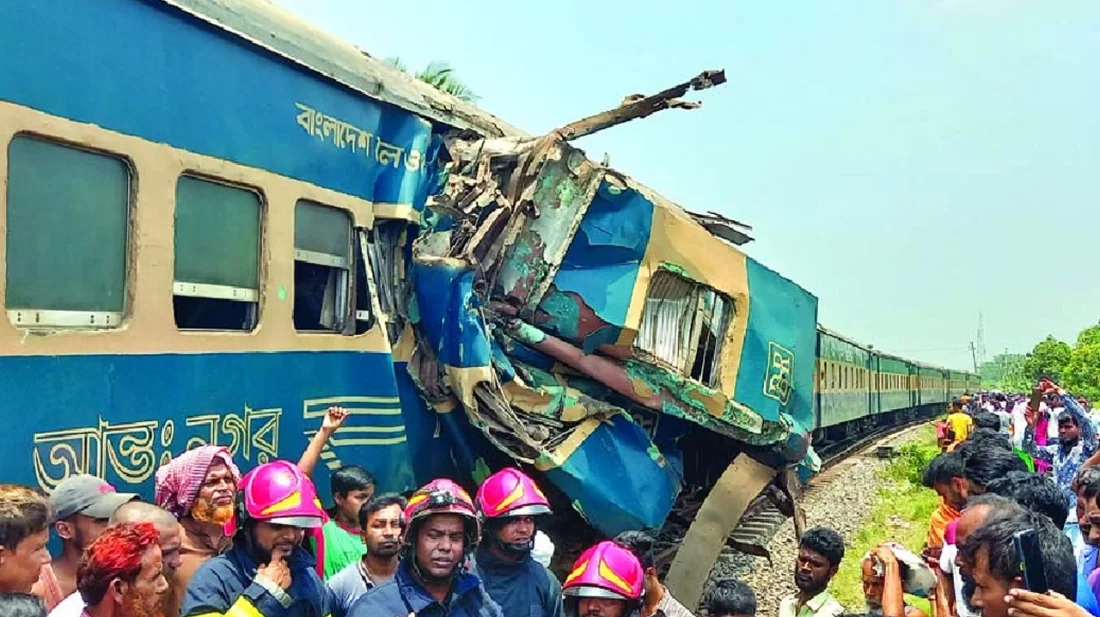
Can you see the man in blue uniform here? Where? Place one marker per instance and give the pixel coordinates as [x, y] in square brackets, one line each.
[433, 580]
[509, 502]
[266, 573]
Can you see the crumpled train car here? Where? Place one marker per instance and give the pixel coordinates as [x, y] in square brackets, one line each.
[598, 332]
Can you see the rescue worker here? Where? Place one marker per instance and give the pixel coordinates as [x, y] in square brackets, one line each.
[433, 580]
[606, 581]
[197, 487]
[508, 503]
[266, 572]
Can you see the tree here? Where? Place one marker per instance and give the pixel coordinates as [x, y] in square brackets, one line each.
[1048, 359]
[440, 75]
[1082, 372]
[1089, 336]
[1005, 372]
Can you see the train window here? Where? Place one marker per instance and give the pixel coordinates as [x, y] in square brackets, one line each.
[217, 246]
[322, 267]
[684, 326]
[364, 307]
[67, 227]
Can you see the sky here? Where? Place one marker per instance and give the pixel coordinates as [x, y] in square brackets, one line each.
[913, 163]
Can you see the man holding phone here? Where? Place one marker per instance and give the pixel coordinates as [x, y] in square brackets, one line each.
[999, 561]
[1076, 439]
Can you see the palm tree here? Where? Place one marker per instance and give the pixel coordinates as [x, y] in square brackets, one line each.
[441, 76]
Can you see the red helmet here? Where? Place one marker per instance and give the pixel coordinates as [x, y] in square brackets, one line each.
[441, 496]
[510, 492]
[606, 570]
[277, 492]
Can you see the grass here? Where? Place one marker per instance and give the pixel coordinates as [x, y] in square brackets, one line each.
[900, 514]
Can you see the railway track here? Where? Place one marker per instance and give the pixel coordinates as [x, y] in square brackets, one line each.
[762, 519]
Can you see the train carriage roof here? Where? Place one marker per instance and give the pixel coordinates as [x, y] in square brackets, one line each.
[271, 27]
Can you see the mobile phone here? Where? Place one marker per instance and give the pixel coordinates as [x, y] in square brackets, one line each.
[1036, 397]
[1032, 567]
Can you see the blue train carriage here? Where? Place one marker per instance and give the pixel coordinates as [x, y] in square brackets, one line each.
[189, 254]
[844, 398]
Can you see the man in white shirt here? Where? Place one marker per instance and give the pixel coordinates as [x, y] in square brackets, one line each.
[819, 554]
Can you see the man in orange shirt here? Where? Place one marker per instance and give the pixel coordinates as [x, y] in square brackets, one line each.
[945, 476]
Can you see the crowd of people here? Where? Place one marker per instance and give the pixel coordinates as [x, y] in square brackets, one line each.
[1013, 534]
[214, 542]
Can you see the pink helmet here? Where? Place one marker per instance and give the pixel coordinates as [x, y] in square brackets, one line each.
[441, 496]
[276, 492]
[510, 492]
[606, 570]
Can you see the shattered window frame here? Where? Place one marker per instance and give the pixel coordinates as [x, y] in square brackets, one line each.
[684, 326]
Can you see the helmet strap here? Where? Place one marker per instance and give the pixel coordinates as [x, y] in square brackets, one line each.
[515, 549]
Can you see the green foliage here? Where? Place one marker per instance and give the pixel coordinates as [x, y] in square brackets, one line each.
[1082, 373]
[900, 514]
[1048, 359]
[441, 76]
[1005, 372]
[1076, 368]
[1089, 336]
[910, 463]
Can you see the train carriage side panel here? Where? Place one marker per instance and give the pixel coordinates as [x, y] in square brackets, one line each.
[844, 396]
[896, 375]
[874, 382]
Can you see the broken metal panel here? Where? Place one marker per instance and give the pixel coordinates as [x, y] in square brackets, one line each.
[730, 230]
[717, 517]
[638, 106]
[618, 480]
[555, 197]
[590, 298]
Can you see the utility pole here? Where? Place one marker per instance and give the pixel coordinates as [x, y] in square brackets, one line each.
[981, 338]
[974, 355]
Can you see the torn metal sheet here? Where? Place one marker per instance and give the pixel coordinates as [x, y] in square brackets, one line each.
[554, 300]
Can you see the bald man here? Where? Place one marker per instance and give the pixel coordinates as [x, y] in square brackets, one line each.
[170, 540]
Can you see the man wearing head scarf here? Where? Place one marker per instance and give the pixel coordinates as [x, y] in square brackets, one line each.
[198, 487]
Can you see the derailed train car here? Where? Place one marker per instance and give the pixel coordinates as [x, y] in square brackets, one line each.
[600, 333]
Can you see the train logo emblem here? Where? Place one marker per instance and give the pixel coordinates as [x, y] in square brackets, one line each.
[777, 379]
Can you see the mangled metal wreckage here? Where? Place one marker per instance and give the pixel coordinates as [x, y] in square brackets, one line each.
[595, 331]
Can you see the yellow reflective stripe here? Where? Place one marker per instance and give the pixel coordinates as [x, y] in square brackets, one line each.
[243, 608]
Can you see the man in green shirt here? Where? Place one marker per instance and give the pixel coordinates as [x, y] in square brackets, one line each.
[352, 487]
